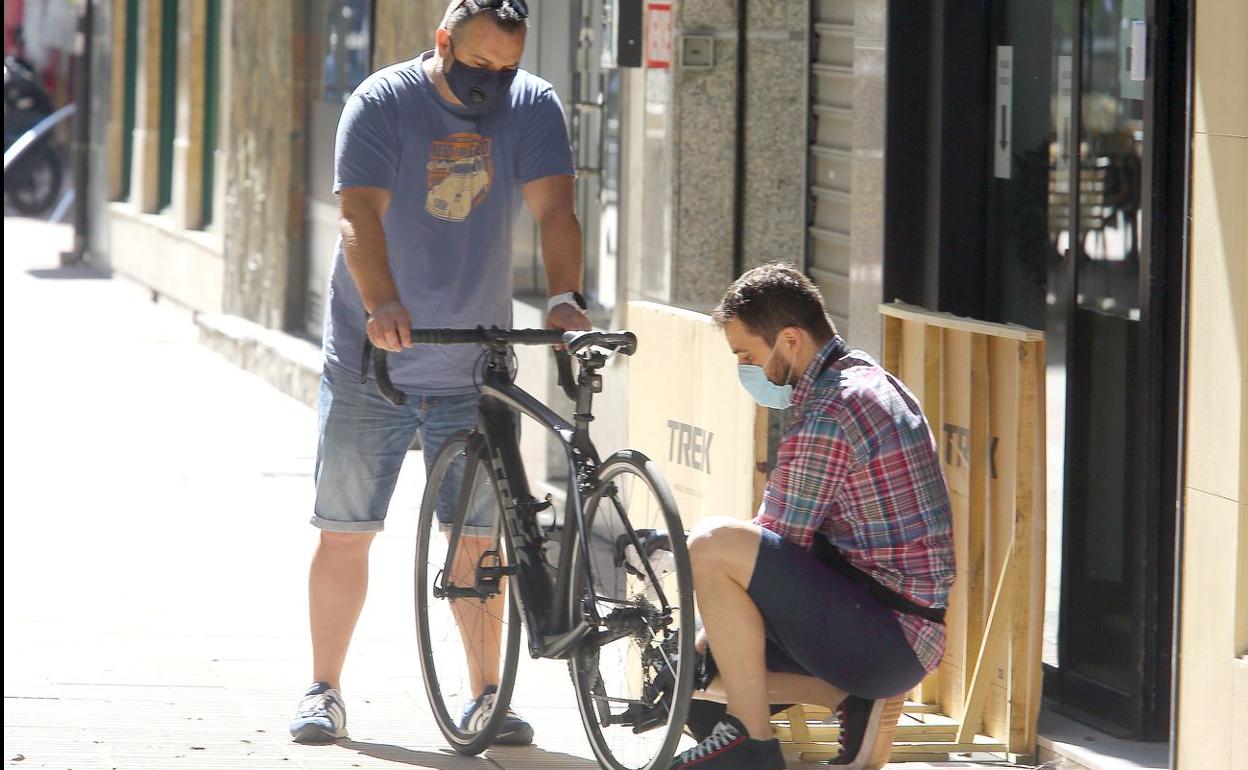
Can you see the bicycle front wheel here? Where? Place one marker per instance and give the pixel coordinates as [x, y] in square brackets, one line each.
[633, 674]
[468, 628]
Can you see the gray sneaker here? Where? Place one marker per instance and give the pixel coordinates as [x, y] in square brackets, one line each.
[322, 716]
[514, 731]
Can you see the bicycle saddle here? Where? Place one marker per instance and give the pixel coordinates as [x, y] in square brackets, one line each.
[618, 342]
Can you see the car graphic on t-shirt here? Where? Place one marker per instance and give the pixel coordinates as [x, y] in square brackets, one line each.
[459, 176]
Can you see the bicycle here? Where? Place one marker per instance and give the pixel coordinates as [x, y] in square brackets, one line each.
[607, 587]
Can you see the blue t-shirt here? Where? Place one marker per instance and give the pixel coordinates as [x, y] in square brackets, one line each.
[455, 187]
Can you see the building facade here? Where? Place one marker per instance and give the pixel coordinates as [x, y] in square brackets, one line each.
[1073, 166]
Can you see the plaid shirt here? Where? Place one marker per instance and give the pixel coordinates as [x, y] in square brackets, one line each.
[859, 465]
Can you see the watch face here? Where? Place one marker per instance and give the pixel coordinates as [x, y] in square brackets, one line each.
[580, 300]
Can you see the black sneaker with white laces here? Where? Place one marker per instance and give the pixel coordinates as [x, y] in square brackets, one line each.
[867, 730]
[730, 747]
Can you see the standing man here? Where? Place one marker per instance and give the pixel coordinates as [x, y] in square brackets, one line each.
[855, 524]
[433, 156]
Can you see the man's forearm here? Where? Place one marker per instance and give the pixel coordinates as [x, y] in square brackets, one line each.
[561, 252]
[364, 245]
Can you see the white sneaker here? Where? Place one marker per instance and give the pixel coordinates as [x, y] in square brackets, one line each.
[322, 716]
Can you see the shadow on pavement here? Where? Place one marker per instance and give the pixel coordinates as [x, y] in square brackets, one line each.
[74, 273]
[526, 757]
[443, 760]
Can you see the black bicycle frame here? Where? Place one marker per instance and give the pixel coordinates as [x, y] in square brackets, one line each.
[555, 626]
[556, 634]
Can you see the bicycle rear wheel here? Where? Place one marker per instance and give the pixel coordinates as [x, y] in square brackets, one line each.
[633, 674]
[468, 628]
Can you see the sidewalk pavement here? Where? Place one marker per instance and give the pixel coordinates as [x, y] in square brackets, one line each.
[156, 548]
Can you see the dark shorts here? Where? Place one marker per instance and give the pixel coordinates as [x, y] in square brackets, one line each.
[822, 623]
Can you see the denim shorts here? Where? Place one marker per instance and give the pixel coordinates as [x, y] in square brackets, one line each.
[362, 443]
[819, 622]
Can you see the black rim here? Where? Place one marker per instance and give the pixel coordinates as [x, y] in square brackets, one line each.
[447, 713]
[592, 697]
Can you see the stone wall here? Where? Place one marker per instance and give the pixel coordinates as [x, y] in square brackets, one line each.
[265, 198]
[104, 172]
[1213, 664]
[704, 114]
[404, 28]
[776, 120]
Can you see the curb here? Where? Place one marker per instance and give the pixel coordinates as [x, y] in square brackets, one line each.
[288, 363]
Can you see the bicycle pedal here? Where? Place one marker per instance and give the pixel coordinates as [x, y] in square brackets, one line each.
[640, 717]
[489, 577]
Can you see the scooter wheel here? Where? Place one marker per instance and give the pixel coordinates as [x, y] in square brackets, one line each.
[36, 185]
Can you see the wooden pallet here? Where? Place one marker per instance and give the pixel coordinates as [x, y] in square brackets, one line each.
[981, 386]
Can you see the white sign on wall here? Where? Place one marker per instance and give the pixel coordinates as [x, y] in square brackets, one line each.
[1003, 118]
[659, 35]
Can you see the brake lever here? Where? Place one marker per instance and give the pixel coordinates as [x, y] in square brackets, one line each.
[381, 370]
[563, 363]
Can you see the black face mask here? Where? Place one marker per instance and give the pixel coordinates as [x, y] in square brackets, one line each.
[480, 90]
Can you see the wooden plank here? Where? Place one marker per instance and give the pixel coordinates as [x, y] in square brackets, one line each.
[912, 356]
[933, 357]
[931, 403]
[799, 729]
[892, 345]
[949, 321]
[978, 598]
[1003, 355]
[762, 423]
[1025, 673]
[962, 747]
[819, 733]
[953, 437]
[911, 752]
[824, 755]
[931, 688]
[989, 653]
[920, 371]
[912, 710]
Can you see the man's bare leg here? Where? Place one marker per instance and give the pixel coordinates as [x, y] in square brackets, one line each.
[723, 553]
[783, 688]
[337, 585]
[480, 623]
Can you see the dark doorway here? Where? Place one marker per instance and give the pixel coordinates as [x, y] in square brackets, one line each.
[1034, 176]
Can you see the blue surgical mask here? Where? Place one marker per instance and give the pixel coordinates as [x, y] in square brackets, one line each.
[765, 392]
[480, 90]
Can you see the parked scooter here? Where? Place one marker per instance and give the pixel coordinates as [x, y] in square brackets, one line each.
[33, 181]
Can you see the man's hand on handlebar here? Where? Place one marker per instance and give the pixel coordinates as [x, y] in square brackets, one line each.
[390, 326]
[568, 318]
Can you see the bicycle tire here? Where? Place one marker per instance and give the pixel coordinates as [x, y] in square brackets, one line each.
[444, 667]
[618, 751]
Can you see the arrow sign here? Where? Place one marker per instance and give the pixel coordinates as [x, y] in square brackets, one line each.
[1002, 165]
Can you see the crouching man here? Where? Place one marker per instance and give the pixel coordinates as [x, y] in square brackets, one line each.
[834, 593]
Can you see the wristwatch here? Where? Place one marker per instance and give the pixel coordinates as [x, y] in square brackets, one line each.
[567, 298]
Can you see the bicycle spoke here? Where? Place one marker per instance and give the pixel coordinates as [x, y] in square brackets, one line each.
[467, 644]
[635, 671]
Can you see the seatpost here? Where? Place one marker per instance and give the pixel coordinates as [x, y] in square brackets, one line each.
[589, 382]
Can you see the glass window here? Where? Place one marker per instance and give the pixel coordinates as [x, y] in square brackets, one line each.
[128, 108]
[168, 98]
[339, 59]
[212, 98]
[347, 48]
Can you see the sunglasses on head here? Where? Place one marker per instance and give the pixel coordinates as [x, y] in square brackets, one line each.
[519, 6]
